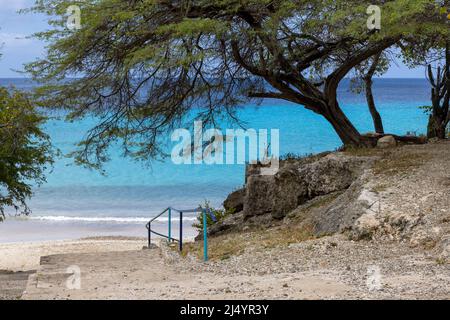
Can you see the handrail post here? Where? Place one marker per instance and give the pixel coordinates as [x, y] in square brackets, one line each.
[170, 225]
[181, 231]
[149, 235]
[205, 236]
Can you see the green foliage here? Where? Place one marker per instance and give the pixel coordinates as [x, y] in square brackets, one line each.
[428, 45]
[295, 156]
[219, 214]
[141, 67]
[25, 150]
[426, 109]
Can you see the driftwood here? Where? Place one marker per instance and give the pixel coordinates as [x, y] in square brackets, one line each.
[403, 139]
[410, 139]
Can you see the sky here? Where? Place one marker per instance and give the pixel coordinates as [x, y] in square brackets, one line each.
[17, 48]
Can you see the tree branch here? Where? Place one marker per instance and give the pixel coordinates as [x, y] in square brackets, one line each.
[272, 95]
[334, 78]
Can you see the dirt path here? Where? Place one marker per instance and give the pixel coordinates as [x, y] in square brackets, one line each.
[329, 268]
[145, 275]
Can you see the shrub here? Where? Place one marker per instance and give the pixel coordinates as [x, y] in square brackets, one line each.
[219, 215]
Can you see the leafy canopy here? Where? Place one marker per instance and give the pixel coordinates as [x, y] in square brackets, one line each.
[25, 150]
[141, 66]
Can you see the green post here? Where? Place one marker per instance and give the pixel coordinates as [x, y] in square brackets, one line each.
[205, 236]
[170, 224]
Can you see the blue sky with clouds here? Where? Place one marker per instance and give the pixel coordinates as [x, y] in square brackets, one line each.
[17, 49]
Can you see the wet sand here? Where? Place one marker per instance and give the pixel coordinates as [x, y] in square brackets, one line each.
[27, 230]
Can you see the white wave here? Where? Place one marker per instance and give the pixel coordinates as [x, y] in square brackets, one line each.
[139, 220]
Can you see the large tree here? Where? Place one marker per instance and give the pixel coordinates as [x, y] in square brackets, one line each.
[141, 65]
[430, 48]
[440, 97]
[25, 150]
[363, 81]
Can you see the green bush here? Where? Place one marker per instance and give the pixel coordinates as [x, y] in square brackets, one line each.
[219, 214]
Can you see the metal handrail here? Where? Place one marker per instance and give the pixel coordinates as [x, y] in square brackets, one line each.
[180, 240]
[159, 215]
[164, 236]
[150, 231]
[169, 236]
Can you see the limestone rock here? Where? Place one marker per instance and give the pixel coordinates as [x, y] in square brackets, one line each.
[235, 201]
[386, 142]
[260, 195]
[296, 184]
[365, 226]
[342, 213]
[232, 222]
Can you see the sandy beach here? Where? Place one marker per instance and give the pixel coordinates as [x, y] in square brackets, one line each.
[26, 256]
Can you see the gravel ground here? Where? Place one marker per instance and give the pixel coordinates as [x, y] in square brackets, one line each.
[408, 257]
[370, 270]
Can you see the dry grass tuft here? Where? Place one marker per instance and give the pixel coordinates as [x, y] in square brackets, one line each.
[399, 163]
[364, 152]
[224, 246]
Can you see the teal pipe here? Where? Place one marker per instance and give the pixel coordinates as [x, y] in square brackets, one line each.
[205, 236]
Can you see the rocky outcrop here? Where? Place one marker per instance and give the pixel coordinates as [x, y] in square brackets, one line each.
[401, 194]
[299, 184]
[234, 222]
[296, 184]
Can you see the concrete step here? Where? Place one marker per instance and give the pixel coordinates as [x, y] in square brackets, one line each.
[57, 275]
[13, 284]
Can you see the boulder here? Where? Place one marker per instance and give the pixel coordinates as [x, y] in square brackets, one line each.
[365, 226]
[290, 189]
[295, 184]
[235, 201]
[259, 196]
[231, 223]
[386, 142]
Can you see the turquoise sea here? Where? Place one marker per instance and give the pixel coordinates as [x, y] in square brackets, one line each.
[131, 192]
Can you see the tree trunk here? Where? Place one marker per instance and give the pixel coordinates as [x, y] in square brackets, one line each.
[440, 97]
[348, 134]
[376, 118]
[436, 127]
[377, 122]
